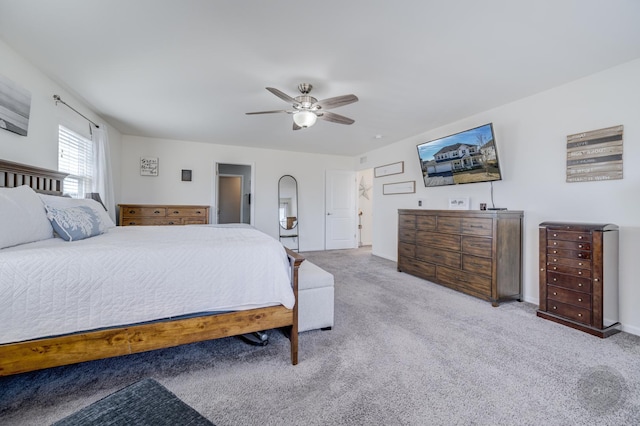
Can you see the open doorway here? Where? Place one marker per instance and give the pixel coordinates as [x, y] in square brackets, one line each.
[234, 186]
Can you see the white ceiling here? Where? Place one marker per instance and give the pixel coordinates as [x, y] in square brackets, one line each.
[190, 69]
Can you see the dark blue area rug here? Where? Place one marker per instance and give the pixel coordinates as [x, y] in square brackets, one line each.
[146, 402]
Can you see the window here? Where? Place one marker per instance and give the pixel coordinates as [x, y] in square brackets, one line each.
[75, 156]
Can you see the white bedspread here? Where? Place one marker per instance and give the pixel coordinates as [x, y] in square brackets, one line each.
[134, 274]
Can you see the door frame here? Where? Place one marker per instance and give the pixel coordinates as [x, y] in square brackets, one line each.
[214, 190]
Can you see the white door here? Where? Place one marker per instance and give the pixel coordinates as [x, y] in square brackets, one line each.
[340, 217]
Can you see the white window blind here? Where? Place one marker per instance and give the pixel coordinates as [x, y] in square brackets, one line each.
[75, 156]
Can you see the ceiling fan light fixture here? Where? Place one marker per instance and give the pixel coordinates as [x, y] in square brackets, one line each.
[304, 119]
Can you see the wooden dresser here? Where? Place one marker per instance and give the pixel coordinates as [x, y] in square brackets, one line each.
[579, 276]
[475, 252]
[148, 214]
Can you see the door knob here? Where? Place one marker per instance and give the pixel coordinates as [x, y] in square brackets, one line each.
[328, 214]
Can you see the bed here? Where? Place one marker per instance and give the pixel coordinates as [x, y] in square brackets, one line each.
[135, 303]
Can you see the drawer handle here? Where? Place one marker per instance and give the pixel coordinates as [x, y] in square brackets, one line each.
[579, 263]
[579, 237]
[579, 254]
[579, 245]
[555, 268]
[579, 315]
[555, 235]
[176, 212]
[171, 223]
[132, 211]
[579, 284]
[579, 272]
[132, 223]
[555, 279]
[198, 212]
[596, 279]
[542, 269]
[555, 260]
[156, 212]
[579, 299]
[555, 307]
[555, 293]
[555, 243]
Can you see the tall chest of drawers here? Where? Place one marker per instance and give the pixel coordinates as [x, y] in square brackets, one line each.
[151, 214]
[475, 252]
[579, 276]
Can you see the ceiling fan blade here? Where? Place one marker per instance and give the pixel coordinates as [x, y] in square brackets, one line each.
[296, 127]
[283, 96]
[337, 101]
[335, 118]
[266, 112]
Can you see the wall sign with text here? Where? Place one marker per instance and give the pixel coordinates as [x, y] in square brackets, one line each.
[595, 155]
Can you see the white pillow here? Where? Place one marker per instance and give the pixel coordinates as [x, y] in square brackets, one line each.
[66, 202]
[23, 218]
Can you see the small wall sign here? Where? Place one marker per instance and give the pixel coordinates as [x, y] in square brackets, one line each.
[149, 166]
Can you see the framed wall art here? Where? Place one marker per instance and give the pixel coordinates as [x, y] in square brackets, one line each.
[408, 187]
[149, 166]
[389, 169]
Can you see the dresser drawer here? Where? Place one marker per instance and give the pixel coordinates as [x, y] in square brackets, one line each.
[185, 211]
[407, 235]
[477, 246]
[564, 269]
[569, 281]
[407, 221]
[568, 311]
[575, 263]
[476, 265]
[407, 250]
[450, 225]
[572, 254]
[568, 235]
[479, 227]
[438, 256]
[426, 223]
[467, 281]
[415, 267]
[194, 220]
[144, 212]
[436, 239]
[571, 245]
[570, 297]
[152, 221]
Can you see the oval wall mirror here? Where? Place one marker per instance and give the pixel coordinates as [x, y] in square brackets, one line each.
[288, 202]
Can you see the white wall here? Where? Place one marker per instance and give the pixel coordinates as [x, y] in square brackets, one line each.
[269, 166]
[40, 146]
[531, 140]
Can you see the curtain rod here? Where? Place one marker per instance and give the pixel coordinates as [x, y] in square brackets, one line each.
[59, 99]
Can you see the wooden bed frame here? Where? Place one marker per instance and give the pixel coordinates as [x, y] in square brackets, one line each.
[105, 343]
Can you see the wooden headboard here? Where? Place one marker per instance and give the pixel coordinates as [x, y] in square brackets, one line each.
[41, 180]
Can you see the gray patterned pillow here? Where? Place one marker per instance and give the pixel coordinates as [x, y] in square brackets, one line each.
[74, 223]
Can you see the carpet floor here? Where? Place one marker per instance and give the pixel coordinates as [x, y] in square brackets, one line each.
[403, 352]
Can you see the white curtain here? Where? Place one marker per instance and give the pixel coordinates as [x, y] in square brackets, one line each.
[102, 182]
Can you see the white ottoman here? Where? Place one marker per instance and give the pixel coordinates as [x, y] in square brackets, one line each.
[315, 297]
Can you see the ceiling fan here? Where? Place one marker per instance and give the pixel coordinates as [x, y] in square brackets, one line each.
[307, 109]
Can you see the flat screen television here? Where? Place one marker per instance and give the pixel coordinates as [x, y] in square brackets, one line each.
[466, 157]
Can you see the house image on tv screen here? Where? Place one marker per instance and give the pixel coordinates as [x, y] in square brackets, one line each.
[465, 157]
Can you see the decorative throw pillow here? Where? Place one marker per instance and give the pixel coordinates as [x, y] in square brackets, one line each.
[66, 202]
[22, 217]
[74, 223]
